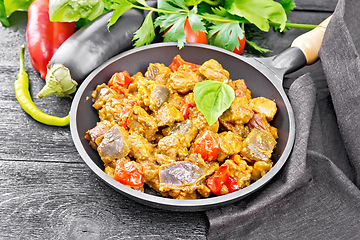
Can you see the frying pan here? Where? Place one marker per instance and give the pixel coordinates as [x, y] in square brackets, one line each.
[263, 77]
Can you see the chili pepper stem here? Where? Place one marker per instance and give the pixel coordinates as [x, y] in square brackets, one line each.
[23, 96]
[58, 82]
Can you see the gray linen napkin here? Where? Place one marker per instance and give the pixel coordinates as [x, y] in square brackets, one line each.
[316, 195]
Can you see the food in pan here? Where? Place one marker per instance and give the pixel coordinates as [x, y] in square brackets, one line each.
[153, 134]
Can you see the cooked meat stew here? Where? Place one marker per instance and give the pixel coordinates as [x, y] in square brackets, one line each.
[151, 133]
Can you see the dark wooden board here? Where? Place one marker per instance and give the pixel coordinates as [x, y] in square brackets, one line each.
[47, 191]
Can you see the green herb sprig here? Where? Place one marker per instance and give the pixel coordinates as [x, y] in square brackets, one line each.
[223, 21]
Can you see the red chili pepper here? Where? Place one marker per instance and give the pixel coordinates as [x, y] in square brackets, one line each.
[222, 178]
[44, 37]
[178, 61]
[187, 103]
[129, 173]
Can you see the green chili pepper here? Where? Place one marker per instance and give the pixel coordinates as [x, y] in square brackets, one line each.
[24, 98]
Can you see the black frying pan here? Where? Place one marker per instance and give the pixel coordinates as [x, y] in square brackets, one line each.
[263, 77]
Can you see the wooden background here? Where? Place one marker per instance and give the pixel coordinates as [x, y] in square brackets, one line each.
[47, 191]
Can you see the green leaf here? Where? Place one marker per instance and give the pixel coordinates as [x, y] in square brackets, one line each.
[142, 2]
[174, 24]
[146, 33]
[288, 5]
[195, 21]
[259, 12]
[3, 18]
[192, 2]
[225, 35]
[120, 8]
[72, 10]
[257, 48]
[212, 98]
[12, 6]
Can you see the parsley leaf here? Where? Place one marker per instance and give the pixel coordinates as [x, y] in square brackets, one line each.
[288, 5]
[225, 35]
[120, 7]
[146, 33]
[174, 24]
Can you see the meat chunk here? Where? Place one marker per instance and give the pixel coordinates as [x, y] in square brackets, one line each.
[260, 169]
[186, 128]
[239, 112]
[200, 122]
[264, 106]
[99, 130]
[173, 145]
[167, 115]
[239, 129]
[141, 149]
[241, 89]
[259, 121]
[213, 70]
[258, 145]
[141, 123]
[229, 144]
[183, 80]
[117, 111]
[114, 144]
[158, 72]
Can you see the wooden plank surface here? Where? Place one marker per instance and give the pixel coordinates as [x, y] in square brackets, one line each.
[47, 191]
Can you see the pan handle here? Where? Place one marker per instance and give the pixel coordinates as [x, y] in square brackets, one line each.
[304, 50]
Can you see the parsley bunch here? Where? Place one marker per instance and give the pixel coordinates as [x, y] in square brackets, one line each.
[222, 20]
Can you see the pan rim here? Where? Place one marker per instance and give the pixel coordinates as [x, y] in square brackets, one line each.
[175, 204]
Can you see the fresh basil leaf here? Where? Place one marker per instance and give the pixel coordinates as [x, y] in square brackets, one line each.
[259, 12]
[146, 33]
[212, 98]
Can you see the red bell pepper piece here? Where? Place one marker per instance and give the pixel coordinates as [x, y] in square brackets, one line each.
[187, 103]
[222, 178]
[129, 173]
[44, 37]
[120, 81]
[178, 61]
[126, 108]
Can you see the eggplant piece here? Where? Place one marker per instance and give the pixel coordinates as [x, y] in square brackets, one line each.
[91, 46]
[182, 173]
[114, 144]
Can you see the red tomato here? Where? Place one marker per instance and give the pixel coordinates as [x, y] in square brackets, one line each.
[129, 173]
[241, 47]
[206, 144]
[192, 36]
[220, 179]
[216, 181]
